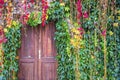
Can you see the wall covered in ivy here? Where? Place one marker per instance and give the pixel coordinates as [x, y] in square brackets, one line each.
[94, 52]
[87, 36]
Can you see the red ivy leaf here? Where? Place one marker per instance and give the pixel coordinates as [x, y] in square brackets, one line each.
[32, 1]
[1, 3]
[104, 32]
[85, 14]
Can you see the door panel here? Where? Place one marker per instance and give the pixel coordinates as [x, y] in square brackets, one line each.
[27, 46]
[27, 61]
[48, 62]
[37, 53]
[27, 71]
[48, 71]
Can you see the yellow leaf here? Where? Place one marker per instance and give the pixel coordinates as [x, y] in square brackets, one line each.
[14, 23]
[118, 11]
[9, 26]
[73, 30]
[103, 14]
[77, 32]
[72, 41]
[76, 37]
[111, 33]
[118, 17]
[5, 0]
[10, 4]
[62, 4]
[115, 24]
[111, 17]
[5, 30]
[46, 17]
[93, 57]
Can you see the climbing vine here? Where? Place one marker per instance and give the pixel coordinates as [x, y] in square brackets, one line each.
[34, 19]
[87, 36]
[10, 48]
[98, 50]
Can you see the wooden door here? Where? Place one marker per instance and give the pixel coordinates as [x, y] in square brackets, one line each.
[37, 53]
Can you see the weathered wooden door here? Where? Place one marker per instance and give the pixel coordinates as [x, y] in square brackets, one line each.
[37, 53]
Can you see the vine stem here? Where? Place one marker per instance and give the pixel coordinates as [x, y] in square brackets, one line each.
[77, 76]
[90, 58]
[103, 8]
[95, 50]
[105, 60]
[1, 59]
[71, 12]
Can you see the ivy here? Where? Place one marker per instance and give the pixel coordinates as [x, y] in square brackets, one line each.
[65, 62]
[10, 48]
[92, 55]
[34, 19]
[58, 11]
[99, 57]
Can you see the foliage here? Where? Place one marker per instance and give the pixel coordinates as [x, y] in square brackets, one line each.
[87, 38]
[57, 11]
[98, 54]
[10, 51]
[65, 61]
[34, 19]
[44, 12]
[2, 40]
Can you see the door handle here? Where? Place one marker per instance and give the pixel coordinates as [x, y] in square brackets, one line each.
[39, 54]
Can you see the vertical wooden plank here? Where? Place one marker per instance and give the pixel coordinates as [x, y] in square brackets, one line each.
[36, 33]
[39, 52]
